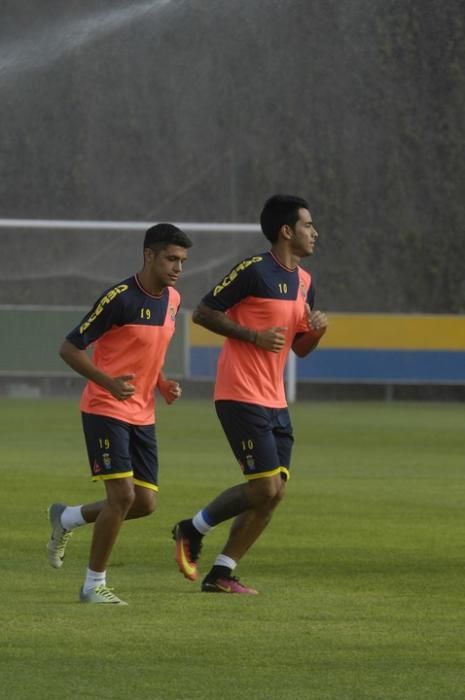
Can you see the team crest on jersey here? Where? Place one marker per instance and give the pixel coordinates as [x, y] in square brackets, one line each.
[172, 312]
[303, 291]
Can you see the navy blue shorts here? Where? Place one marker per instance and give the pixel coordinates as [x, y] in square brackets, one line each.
[117, 449]
[261, 438]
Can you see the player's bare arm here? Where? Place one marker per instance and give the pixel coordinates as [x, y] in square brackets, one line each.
[120, 387]
[168, 388]
[271, 339]
[304, 343]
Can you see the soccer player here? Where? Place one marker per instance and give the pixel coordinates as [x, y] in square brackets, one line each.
[264, 307]
[130, 326]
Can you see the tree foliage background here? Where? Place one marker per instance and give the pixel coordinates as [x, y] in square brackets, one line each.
[198, 111]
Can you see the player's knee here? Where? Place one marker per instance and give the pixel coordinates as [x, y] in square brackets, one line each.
[265, 491]
[120, 494]
[281, 492]
[150, 508]
[145, 503]
[126, 500]
[276, 497]
[148, 505]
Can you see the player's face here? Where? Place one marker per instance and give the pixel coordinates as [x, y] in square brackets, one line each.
[304, 235]
[165, 266]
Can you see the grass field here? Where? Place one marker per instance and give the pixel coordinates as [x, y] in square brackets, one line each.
[361, 572]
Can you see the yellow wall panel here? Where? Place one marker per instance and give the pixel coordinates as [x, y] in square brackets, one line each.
[376, 331]
[400, 332]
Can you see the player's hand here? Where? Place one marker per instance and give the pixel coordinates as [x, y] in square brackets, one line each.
[271, 339]
[317, 321]
[170, 390]
[120, 387]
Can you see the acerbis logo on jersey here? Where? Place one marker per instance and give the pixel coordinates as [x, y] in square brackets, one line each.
[234, 273]
[109, 296]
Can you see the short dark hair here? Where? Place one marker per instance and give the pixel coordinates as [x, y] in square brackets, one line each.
[279, 210]
[161, 236]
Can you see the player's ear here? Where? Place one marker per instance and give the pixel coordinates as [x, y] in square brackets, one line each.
[286, 231]
[149, 254]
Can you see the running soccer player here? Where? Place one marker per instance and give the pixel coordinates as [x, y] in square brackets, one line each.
[264, 307]
[130, 326]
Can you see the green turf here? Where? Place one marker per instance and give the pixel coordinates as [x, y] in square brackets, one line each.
[361, 572]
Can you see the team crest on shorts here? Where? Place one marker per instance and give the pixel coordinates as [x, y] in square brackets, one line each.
[250, 461]
[106, 460]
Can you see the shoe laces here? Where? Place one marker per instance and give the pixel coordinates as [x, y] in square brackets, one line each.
[236, 580]
[63, 541]
[106, 592]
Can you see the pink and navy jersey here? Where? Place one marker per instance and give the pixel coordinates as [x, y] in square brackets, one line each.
[130, 330]
[259, 293]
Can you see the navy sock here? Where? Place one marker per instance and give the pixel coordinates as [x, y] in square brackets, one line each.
[217, 572]
[189, 529]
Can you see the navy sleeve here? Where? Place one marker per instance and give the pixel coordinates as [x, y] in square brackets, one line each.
[105, 313]
[310, 302]
[311, 296]
[238, 284]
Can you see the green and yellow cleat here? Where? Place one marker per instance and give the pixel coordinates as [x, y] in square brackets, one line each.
[100, 594]
[59, 538]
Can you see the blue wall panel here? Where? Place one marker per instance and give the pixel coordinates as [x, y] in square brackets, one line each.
[359, 365]
[384, 365]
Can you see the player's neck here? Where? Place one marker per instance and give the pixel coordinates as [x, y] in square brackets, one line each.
[150, 285]
[285, 256]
